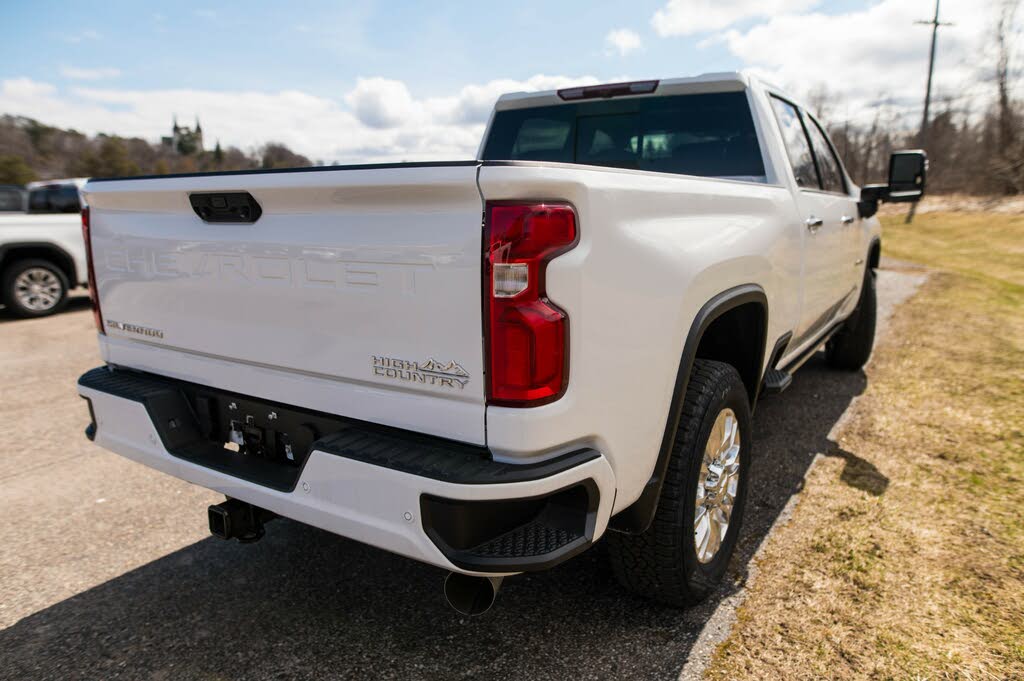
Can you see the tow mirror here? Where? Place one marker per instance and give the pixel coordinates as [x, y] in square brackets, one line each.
[907, 173]
[907, 170]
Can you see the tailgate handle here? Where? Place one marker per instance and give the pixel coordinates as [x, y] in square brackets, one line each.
[226, 207]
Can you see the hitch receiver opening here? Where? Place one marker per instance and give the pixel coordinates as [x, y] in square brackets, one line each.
[235, 519]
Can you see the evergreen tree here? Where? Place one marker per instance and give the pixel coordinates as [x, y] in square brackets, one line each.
[14, 170]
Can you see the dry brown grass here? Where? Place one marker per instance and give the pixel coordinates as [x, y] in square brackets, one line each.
[926, 578]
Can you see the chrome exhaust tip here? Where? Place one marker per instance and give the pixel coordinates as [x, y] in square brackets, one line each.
[469, 595]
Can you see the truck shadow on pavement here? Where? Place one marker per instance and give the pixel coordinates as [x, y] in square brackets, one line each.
[307, 604]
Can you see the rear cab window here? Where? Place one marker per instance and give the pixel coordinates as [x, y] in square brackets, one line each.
[708, 135]
[54, 199]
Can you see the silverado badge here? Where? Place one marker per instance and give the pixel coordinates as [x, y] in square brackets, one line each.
[134, 328]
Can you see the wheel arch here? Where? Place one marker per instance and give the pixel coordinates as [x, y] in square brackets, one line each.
[712, 323]
[21, 250]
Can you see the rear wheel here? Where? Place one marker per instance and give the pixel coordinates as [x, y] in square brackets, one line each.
[686, 550]
[34, 288]
[850, 348]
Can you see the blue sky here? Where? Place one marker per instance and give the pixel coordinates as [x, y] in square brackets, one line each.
[324, 46]
[345, 81]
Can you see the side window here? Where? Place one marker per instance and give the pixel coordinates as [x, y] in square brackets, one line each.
[65, 199]
[39, 201]
[797, 147]
[828, 164]
[10, 200]
[54, 199]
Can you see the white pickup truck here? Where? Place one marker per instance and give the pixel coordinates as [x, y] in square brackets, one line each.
[490, 365]
[42, 255]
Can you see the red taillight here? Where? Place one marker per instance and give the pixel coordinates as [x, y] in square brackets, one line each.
[94, 295]
[527, 335]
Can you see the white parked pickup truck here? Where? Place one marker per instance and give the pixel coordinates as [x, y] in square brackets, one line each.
[42, 255]
[490, 365]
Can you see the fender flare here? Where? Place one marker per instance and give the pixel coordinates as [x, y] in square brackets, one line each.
[874, 252]
[637, 517]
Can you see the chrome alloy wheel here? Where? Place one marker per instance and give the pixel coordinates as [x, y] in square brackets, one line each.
[717, 486]
[37, 289]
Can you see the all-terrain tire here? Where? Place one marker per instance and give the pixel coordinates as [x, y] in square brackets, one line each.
[850, 348]
[661, 563]
[50, 280]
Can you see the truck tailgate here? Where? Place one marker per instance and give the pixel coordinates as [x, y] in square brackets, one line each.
[356, 292]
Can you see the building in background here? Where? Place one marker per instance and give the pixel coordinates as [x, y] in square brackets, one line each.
[183, 140]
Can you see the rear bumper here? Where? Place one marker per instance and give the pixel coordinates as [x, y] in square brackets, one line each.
[437, 501]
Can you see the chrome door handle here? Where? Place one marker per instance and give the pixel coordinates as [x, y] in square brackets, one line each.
[814, 223]
[847, 219]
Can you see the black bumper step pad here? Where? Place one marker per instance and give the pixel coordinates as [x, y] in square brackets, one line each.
[533, 539]
[440, 459]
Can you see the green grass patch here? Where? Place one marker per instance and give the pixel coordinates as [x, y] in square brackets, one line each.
[925, 579]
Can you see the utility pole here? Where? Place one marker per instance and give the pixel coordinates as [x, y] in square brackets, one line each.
[934, 23]
[923, 134]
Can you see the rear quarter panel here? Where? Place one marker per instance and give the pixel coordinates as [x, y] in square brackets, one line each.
[653, 249]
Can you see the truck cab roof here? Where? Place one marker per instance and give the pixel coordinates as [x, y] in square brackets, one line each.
[724, 81]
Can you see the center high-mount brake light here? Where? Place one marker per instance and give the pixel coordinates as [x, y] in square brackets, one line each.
[527, 335]
[639, 87]
[94, 295]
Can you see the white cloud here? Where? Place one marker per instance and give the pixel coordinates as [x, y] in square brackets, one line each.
[686, 17]
[875, 54]
[81, 36]
[622, 41]
[381, 103]
[473, 103]
[379, 120]
[76, 73]
[26, 89]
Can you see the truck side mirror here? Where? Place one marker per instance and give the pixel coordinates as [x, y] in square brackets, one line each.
[907, 173]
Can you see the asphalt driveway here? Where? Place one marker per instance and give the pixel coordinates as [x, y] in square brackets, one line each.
[107, 569]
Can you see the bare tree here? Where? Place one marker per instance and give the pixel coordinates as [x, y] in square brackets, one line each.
[1009, 160]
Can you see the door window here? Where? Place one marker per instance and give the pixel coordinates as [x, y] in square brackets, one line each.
[797, 147]
[828, 164]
